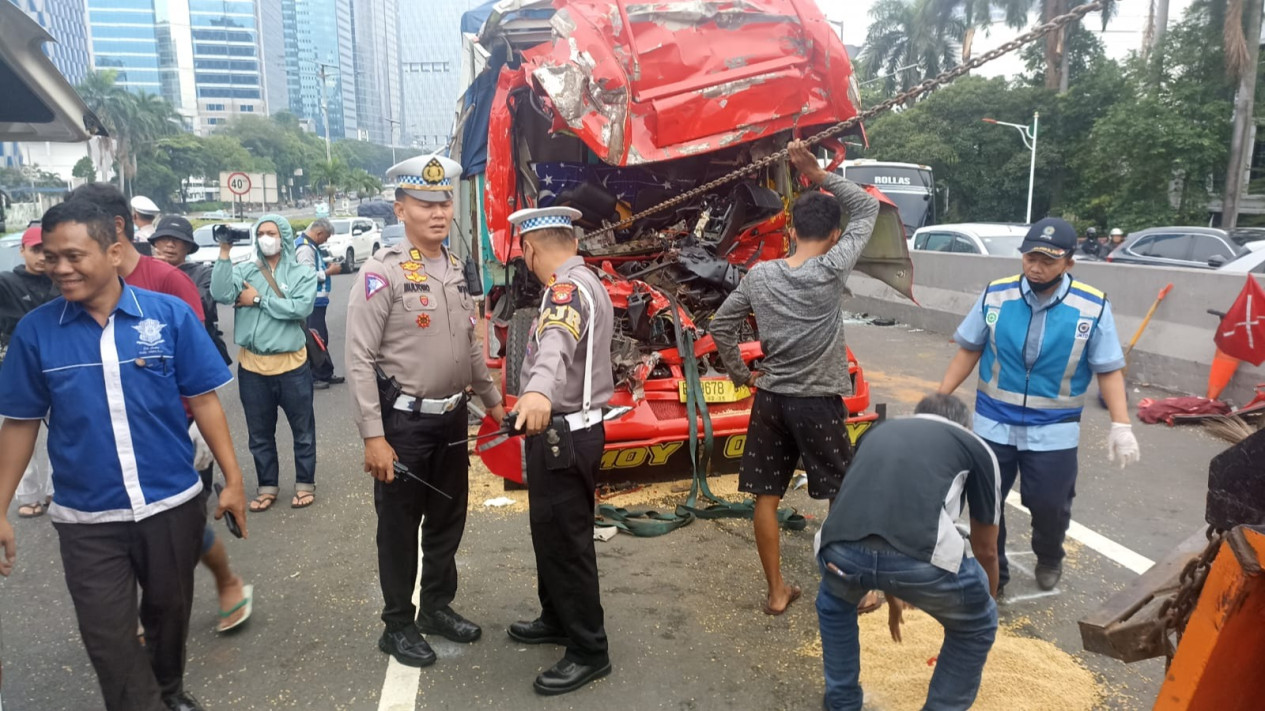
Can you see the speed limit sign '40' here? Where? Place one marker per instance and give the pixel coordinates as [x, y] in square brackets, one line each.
[238, 183]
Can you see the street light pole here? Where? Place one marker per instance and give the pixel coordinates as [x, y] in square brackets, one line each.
[1029, 134]
[394, 140]
[325, 111]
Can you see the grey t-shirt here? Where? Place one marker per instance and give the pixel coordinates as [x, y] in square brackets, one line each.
[799, 312]
[907, 484]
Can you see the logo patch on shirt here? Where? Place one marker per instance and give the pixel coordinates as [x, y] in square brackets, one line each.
[410, 266]
[561, 293]
[373, 284]
[423, 320]
[990, 318]
[150, 332]
[415, 277]
[1083, 328]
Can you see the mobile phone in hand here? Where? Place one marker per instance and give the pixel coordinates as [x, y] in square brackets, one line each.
[229, 519]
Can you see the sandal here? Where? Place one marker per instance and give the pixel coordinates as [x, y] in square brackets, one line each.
[244, 606]
[870, 602]
[795, 593]
[303, 499]
[32, 510]
[262, 503]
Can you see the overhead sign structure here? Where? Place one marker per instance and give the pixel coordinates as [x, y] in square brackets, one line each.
[238, 183]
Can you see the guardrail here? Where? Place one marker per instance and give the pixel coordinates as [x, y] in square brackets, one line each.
[1174, 353]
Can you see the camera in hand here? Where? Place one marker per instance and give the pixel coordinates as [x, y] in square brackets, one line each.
[227, 234]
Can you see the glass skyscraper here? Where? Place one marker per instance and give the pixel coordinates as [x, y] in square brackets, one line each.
[430, 67]
[123, 36]
[65, 21]
[313, 76]
[226, 61]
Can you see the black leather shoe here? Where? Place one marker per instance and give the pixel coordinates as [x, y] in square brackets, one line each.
[448, 624]
[536, 632]
[183, 701]
[320, 385]
[337, 380]
[567, 676]
[407, 646]
[1048, 575]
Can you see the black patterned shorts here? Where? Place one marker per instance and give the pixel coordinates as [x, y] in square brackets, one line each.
[784, 429]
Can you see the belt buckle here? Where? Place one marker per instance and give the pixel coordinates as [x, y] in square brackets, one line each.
[450, 404]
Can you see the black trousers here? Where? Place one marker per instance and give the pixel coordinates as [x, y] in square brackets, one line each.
[1047, 485]
[104, 562]
[561, 516]
[422, 444]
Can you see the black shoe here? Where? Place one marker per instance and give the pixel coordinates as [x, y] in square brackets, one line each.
[407, 646]
[536, 632]
[337, 380]
[448, 624]
[567, 676]
[183, 701]
[1048, 575]
[320, 385]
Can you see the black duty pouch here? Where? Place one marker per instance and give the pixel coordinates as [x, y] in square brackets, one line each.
[559, 450]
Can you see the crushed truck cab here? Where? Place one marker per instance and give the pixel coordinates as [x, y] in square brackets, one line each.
[616, 107]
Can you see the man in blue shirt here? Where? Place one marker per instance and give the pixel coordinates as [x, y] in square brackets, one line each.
[108, 365]
[1039, 338]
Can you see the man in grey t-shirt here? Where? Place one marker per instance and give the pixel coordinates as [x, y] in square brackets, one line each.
[798, 307]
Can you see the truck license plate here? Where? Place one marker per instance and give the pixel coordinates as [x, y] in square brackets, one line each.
[718, 390]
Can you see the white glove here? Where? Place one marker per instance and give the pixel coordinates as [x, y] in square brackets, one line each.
[201, 452]
[1122, 443]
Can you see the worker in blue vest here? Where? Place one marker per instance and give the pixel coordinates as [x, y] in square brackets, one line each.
[1039, 338]
[307, 249]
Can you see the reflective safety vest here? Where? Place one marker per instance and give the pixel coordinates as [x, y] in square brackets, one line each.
[323, 286]
[1050, 390]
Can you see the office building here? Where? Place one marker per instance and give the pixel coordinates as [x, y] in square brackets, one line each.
[66, 22]
[377, 75]
[313, 76]
[430, 68]
[123, 36]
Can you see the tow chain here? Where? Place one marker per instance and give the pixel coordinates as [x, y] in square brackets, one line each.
[936, 82]
[1176, 611]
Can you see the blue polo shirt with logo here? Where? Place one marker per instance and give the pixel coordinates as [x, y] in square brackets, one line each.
[117, 432]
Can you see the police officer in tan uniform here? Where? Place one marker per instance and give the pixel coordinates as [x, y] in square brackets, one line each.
[567, 379]
[411, 354]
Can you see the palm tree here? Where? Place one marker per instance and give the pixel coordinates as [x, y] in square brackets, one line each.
[978, 14]
[363, 183]
[1056, 57]
[910, 41]
[109, 102]
[150, 118]
[329, 175]
[134, 121]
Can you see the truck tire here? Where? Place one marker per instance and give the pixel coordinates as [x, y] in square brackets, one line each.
[516, 348]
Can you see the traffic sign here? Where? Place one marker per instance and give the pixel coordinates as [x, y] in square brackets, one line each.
[238, 183]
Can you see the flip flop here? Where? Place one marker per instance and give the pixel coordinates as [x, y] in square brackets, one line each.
[303, 499]
[245, 606]
[262, 503]
[795, 593]
[879, 599]
[32, 510]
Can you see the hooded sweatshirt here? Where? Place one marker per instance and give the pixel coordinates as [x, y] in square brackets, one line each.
[277, 325]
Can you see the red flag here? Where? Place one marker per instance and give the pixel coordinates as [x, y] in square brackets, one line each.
[1242, 331]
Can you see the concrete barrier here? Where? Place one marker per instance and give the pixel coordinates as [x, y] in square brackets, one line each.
[1174, 353]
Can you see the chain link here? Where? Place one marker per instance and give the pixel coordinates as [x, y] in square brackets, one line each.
[934, 83]
[1176, 611]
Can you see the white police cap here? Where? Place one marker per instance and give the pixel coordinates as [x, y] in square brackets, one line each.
[539, 218]
[144, 206]
[429, 177]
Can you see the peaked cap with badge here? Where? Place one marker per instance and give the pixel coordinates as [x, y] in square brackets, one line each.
[429, 177]
[1052, 237]
[539, 218]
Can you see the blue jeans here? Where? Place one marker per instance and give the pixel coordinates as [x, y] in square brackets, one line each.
[261, 396]
[959, 601]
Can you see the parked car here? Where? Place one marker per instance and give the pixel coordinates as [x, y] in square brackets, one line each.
[355, 239]
[215, 215]
[1252, 262]
[1194, 247]
[994, 239]
[209, 249]
[392, 235]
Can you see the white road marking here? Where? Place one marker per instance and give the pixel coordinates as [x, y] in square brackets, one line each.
[402, 683]
[1012, 599]
[1097, 542]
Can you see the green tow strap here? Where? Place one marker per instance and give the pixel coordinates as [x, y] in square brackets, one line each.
[647, 522]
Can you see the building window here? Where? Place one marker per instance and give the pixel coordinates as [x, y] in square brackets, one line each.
[215, 107]
[427, 67]
[247, 108]
[212, 121]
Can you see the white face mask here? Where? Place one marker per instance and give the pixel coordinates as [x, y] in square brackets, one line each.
[269, 246]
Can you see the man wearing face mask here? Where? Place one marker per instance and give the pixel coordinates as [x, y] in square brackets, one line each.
[272, 298]
[411, 353]
[1039, 338]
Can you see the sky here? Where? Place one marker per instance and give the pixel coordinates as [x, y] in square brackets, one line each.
[1124, 33]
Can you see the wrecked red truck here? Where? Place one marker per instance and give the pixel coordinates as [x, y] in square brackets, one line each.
[613, 108]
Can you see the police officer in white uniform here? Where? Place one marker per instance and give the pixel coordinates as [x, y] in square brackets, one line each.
[567, 379]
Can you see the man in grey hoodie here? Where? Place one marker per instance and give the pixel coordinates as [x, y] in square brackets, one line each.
[272, 298]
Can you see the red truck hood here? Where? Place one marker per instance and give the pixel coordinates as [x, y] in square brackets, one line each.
[643, 82]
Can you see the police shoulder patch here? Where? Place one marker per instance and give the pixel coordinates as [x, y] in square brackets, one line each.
[564, 317]
[374, 283]
[561, 293]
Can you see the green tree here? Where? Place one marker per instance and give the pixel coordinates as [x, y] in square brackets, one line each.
[85, 170]
[910, 41]
[329, 175]
[363, 183]
[978, 15]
